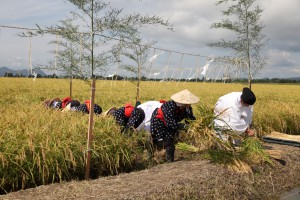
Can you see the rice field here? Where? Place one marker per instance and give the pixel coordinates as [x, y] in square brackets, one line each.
[41, 146]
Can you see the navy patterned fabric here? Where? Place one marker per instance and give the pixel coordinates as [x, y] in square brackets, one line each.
[173, 114]
[83, 108]
[133, 121]
[119, 116]
[136, 118]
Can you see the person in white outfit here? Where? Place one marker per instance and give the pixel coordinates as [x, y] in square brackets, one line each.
[148, 108]
[234, 112]
[138, 117]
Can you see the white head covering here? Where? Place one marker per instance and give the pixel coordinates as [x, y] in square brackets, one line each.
[67, 108]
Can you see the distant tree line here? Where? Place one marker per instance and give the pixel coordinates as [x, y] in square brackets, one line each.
[143, 78]
[9, 74]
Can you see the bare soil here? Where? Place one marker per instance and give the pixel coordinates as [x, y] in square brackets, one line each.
[189, 177]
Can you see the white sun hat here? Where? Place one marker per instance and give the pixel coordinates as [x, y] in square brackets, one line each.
[185, 97]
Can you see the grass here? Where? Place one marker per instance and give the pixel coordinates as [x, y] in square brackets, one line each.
[41, 146]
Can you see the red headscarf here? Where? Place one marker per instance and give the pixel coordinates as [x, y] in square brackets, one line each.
[65, 101]
[88, 104]
[128, 109]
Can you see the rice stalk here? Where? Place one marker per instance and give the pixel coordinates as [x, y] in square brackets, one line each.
[240, 166]
[253, 151]
[275, 154]
[36, 138]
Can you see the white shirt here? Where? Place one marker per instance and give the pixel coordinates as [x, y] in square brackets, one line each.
[231, 114]
[148, 108]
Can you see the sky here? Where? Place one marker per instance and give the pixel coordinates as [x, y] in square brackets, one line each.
[191, 20]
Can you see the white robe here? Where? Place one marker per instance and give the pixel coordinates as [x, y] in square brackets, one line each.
[148, 108]
[231, 114]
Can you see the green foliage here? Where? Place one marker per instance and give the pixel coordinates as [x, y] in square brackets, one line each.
[201, 133]
[101, 25]
[244, 20]
[185, 147]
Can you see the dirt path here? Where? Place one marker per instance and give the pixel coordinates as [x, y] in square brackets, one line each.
[196, 179]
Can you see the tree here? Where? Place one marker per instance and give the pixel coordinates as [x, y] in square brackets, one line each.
[102, 25]
[98, 24]
[67, 55]
[137, 52]
[250, 40]
[8, 74]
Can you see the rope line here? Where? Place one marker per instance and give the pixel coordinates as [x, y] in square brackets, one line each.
[122, 40]
[29, 32]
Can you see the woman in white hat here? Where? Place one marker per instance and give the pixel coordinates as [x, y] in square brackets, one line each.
[165, 120]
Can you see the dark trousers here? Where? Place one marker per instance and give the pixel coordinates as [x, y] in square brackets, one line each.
[168, 144]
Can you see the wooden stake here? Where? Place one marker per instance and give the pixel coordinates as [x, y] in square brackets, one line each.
[90, 132]
[71, 81]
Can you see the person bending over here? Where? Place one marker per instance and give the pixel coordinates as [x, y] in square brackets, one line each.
[165, 121]
[234, 112]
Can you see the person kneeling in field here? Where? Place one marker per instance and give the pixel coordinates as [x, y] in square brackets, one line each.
[54, 103]
[234, 112]
[139, 119]
[84, 108]
[128, 116]
[57, 103]
[165, 121]
[71, 104]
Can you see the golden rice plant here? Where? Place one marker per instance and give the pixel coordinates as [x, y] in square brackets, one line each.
[241, 158]
[254, 152]
[202, 136]
[52, 148]
[41, 146]
[201, 133]
[186, 147]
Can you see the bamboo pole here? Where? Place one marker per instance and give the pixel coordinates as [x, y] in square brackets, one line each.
[90, 132]
[29, 57]
[71, 85]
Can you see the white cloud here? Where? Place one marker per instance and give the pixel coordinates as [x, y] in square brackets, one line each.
[282, 21]
[191, 19]
[279, 58]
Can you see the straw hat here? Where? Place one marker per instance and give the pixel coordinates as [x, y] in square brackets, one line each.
[185, 97]
[49, 102]
[52, 100]
[46, 102]
[108, 111]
